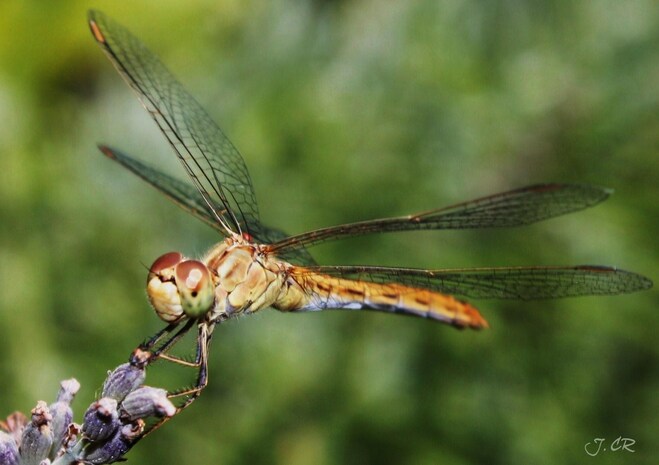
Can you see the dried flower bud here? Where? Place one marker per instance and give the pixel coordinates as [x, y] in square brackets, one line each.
[115, 448]
[68, 389]
[62, 413]
[8, 450]
[124, 379]
[14, 425]
[37, 437]
[71, 436]
[101, 420]
[147, 401]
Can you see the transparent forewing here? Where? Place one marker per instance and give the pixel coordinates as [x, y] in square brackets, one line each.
[187, 197]
[514, 208]
[216, 168]
[520, 283]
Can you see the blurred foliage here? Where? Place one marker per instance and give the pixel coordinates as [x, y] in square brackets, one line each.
[345, 110]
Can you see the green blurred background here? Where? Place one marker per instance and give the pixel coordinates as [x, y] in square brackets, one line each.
[345, 110]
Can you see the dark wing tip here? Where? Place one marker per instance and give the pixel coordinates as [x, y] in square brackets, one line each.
[596, 194]
[632, 282]
[601, 193]
[92, 16]
[637, 282]
[646, 283]
[596, 191]
[107, 151]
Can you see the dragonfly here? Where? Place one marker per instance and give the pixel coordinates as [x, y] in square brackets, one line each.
[255, 266]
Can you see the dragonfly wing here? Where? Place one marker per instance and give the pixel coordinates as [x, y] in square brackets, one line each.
[214, 165]
[431, 293]
[187, 197]
[513, 208]
[520, 283]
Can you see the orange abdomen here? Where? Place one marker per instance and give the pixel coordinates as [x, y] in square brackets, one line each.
[309, 291]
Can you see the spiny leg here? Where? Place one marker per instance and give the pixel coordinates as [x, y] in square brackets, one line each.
[148, 344]
[143, 355]
[161, 353]
[171, 341]
[201, 362]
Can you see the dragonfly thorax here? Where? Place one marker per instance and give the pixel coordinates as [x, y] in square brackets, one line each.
[247, 279]
[180, 288]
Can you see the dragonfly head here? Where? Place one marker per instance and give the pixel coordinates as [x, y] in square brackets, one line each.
[180, 288]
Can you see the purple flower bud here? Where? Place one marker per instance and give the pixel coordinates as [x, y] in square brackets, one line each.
[62, 417]
[147, 401]
[124, 379]
[62, 413]
[68, 389]
[101, 420]
[8, 450]
[37, 437]
[115, 448]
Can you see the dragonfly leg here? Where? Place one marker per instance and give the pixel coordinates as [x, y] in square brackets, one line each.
[178, 360]
[143, 355]
[201, 362]
[149, 343]
[171, 341]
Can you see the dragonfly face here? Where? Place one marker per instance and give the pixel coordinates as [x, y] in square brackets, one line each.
[179, 288]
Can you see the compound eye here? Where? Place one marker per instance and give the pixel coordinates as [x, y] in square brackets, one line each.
[195, 288]
[168, 260]
[161, 288]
